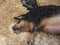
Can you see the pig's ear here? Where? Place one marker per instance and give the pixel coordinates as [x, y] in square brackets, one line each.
[29, 4]
[19, 17]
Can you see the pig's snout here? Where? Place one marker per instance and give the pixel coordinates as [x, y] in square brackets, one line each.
[15, 27]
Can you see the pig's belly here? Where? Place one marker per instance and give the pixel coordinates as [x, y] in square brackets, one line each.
[52, 25]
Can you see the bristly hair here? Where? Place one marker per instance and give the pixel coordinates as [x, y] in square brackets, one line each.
[29, 4]
[35, 15]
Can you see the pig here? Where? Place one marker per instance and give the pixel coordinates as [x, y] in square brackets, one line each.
[45, 18]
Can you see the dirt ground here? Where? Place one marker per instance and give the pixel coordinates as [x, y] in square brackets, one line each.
[12, 8]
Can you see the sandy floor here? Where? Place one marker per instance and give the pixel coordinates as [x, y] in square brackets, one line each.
[11, 8]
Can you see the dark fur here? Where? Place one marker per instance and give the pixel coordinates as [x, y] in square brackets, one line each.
[29, 3]
[37, 14]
